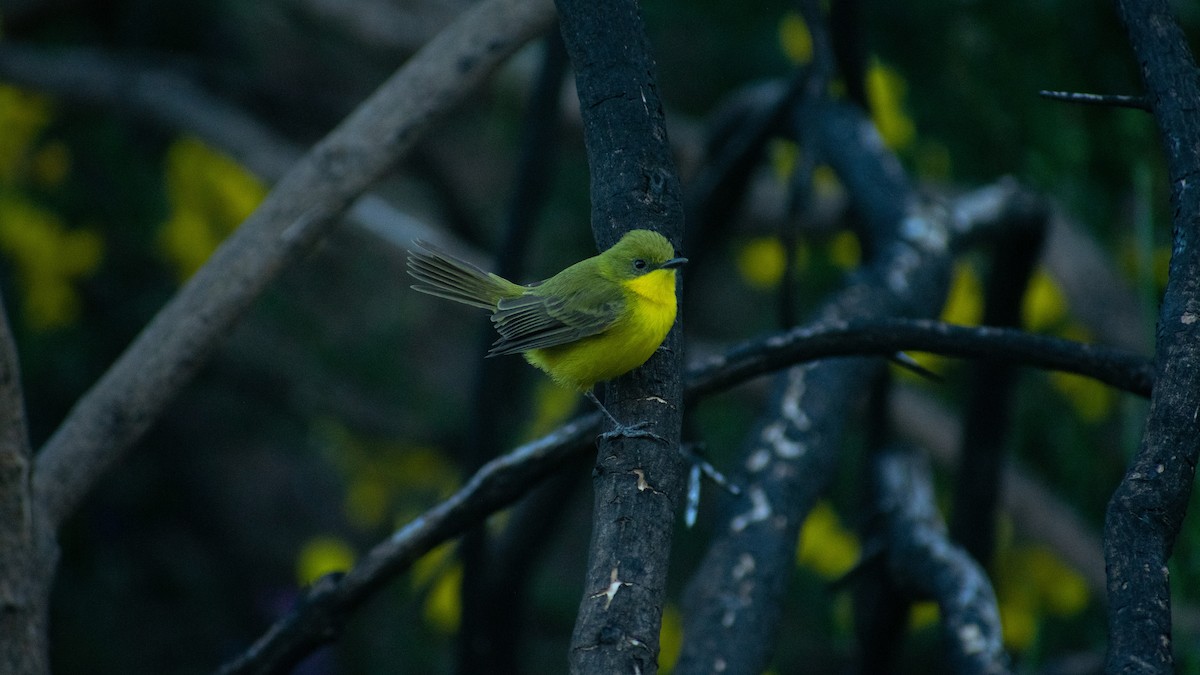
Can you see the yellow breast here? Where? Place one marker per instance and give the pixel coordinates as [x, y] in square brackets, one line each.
[628, 343]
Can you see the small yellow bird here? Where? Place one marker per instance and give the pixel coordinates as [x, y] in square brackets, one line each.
[597, 319]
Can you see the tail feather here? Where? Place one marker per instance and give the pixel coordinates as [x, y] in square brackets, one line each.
[445, 276]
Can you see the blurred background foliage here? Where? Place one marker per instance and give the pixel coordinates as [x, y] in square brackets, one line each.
[337, 410]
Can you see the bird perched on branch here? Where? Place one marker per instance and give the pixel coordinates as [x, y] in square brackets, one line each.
[597, 319]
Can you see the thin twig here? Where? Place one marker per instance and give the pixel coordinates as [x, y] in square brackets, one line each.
[1114, 100]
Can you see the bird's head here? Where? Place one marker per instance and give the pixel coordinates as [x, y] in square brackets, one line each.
[638, 253]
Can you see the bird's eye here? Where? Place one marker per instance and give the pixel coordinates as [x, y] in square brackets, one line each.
[639, 264]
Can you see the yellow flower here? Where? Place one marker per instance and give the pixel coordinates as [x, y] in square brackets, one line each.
[367, 500]
[1032, 582]
[825, 546]
[1093, 401]
[1045, 304]
[886, 90]
[783, 155]
[964, 307]
[925, 613]
[49, 259]
[844, 250]
[323, 555]
[670, 638]
[964, 301]
[23, 117]
[440, 573]
[209, 195]
[443, 605]
[1062, 590]
[1018, 620]
[795, 38]
[762, 262]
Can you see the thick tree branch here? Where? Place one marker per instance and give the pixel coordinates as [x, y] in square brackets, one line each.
[1147, 509]
[638, 481]
[128, 398]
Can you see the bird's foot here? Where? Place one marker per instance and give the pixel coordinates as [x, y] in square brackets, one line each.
[637, 430]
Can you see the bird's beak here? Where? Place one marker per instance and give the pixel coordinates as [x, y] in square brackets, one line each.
[672, 263]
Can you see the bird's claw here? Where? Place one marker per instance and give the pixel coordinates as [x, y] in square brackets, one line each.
[637, 430]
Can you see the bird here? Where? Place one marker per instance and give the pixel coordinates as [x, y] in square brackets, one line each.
[593, 321]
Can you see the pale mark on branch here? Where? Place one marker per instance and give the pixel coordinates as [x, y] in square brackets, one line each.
[760, 510]
[614, 585]
[758, 460]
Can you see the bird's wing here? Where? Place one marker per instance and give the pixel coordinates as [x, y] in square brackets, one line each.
[541, 319]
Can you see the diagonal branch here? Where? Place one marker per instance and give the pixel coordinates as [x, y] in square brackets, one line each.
[323, 612]
[116, 411]
[320, 616]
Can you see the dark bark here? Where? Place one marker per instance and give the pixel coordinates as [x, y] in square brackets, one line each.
[990, 402]
[489, 635]
[1147, 509]
[638, 481]
[28, 553]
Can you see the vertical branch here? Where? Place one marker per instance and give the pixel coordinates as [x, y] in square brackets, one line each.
[493, 594]
[638, 481]
[24, 576]
[1147, 509]
[989, 406]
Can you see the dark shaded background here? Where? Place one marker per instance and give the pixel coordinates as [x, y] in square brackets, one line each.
[337, 410]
